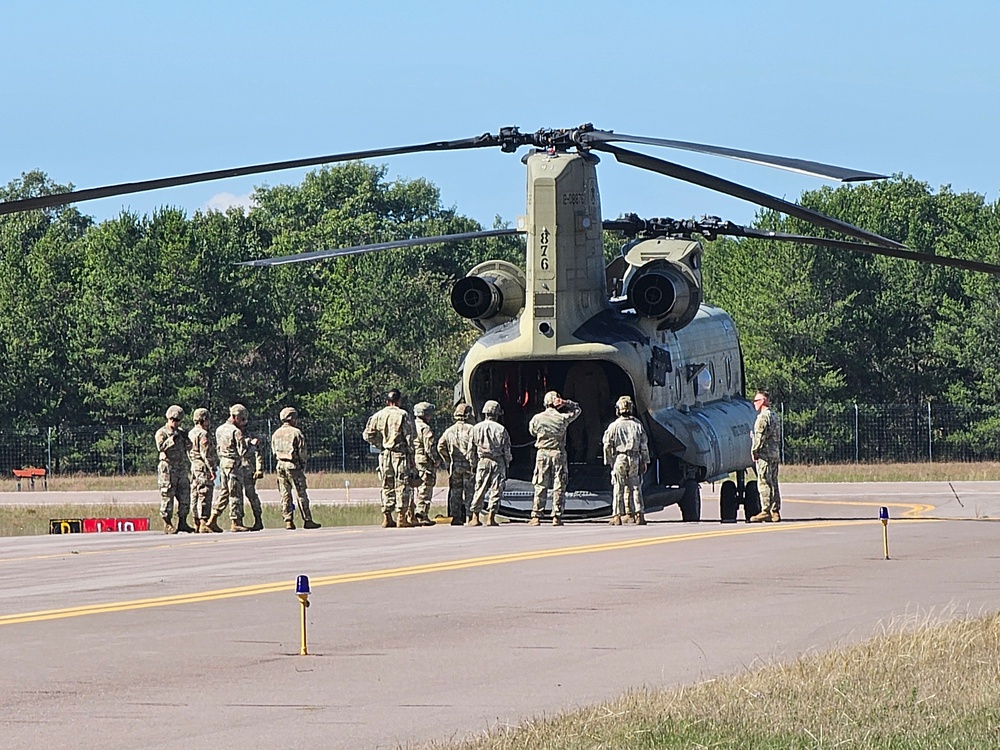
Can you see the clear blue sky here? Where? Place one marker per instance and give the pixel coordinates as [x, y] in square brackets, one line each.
[103, 92]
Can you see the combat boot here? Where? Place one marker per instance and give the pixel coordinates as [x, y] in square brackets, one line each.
[290, 525]
[629, 518]
[557, 521]
[203, 526]
[422, 519]
[387, 522]
[535, 521]
[168, 528]
[761, 517]
[615, 521]
[775, 516]
[491, 518]
[474, 520]
[403, 521]
[182, 525]
[213, 524]
[311, 524]
[641, 519]
[237, 526]
[258, 524]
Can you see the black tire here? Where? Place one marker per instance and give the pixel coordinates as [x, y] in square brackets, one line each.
[727, 502]
[690, 503]
[751, 500]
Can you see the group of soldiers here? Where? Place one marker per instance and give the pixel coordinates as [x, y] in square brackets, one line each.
[190, 464]
[477, 456]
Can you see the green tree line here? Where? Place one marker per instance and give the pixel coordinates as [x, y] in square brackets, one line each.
[110, 322]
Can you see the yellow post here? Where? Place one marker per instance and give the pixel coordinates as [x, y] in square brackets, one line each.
[347, 491]
[302, 590]
[883, 514]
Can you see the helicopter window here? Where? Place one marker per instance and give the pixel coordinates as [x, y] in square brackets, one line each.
[729, 373]
[705, 380]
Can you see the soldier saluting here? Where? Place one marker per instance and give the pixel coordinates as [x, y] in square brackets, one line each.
[551, 463]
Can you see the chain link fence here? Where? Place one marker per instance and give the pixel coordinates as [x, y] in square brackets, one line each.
[820, 434]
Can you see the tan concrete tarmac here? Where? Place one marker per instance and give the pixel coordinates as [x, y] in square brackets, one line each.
[143, 640]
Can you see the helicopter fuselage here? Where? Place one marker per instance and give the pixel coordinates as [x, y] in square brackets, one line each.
[568, 336]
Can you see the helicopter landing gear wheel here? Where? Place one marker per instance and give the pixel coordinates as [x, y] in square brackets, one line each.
[751, 500]
[690, 503]
[728, 503]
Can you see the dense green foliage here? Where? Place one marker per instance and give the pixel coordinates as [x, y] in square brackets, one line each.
[109, 322]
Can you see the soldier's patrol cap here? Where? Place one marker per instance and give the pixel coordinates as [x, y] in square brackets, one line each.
[200, 415]
[238, 410]
[175, 412]
[423, 409]
[287, 413]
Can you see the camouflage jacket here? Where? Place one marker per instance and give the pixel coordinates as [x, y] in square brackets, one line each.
[391, 429]
[231, 443]
[549, 427]
[455, 447]
[289, 444]
[767, 435]
[253, 461]
[202, 453]
[626, 435]
[425, 451]
[490, 440]
[173, 446]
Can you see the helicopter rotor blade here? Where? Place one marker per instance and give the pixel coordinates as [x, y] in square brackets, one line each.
[394, 244]
[736, 190]
[127, 188]
[938, 260]
[802, 166]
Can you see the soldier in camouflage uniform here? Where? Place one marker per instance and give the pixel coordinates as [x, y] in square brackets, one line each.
[289, 446]
[253, 469]
[491, 457]
[232, 445]
[766, 451]
[455, 449]
[551, 464]
[172, 445]
[204, 461]
[427, 460]
[392, 432]
[626, 451]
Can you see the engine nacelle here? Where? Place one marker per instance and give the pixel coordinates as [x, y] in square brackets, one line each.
[491, 294]
[663, 280]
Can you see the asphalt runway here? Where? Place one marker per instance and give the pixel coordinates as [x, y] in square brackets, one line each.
[144, 640]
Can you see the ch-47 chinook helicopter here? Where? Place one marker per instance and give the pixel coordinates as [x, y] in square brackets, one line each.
[566, 322]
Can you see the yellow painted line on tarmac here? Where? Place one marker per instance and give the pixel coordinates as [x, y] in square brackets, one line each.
[914, 510]
[412, 570]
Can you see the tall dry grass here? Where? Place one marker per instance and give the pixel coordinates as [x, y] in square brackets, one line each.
[914, 686]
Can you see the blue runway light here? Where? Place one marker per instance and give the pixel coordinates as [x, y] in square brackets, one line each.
[883, 513]
[302, 585]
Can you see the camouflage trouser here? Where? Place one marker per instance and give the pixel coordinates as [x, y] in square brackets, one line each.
[767, 484]
[250, 488]
[491, 477]
[626, 485]
[174, 485]
[289, 476]
[394, 470]
[461, 488]
[552, 473]
[230, 491]
[202, 488]
[428, 478]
